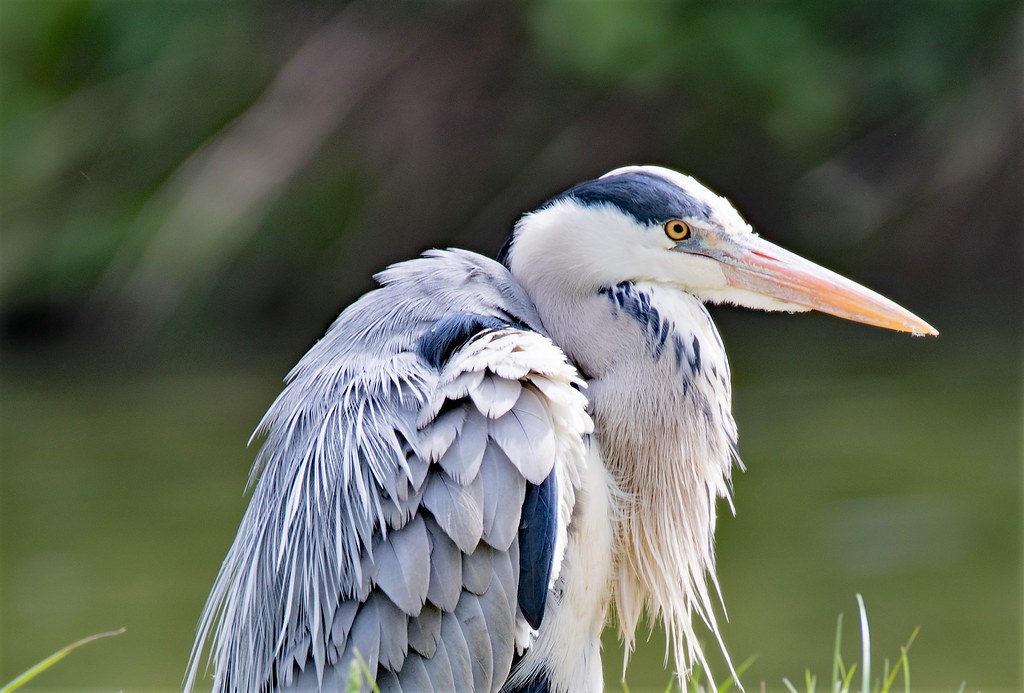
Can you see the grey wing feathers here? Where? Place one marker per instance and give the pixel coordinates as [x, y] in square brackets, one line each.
[445, 578]
[384, 521]
[457, 509]
[402, 561]
[425, 631]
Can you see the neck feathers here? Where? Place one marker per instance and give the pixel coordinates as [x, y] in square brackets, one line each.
[670, 445]
[660, 395]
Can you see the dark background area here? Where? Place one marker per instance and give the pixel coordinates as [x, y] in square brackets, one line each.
[191, 191]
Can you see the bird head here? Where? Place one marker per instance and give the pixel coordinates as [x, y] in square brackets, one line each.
[653, 224]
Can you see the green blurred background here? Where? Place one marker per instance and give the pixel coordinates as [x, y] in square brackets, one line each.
[191, 191]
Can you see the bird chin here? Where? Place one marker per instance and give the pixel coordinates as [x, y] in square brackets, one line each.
[750, 299]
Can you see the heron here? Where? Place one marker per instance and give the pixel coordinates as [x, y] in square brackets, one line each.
[480, 458]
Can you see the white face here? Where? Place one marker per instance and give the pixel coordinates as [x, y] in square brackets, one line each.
[694, 264]
[652, 224]
[601, 245]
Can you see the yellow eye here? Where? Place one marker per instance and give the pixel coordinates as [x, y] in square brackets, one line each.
[677, 230]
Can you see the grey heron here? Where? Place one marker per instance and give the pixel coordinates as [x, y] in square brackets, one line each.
[481, 457]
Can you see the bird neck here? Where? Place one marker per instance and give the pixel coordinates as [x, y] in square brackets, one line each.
[660, 396]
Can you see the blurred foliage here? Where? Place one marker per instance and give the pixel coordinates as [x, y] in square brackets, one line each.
[118, 118]
[799, 72]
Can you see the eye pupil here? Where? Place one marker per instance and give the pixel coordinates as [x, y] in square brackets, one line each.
[677, 230]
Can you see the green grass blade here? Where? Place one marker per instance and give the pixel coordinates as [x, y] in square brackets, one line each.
[355, 678]
[913, 637]
[906, 660]
[904, 663]
[358, 672]
[837, 657]
[54, 658]
[694, 681]
[849, 678]
[367, 673]
[906, 669]
[789, 686]
[842, 685]
[729, 682]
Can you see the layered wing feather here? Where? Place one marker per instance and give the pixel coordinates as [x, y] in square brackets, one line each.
[386, 522]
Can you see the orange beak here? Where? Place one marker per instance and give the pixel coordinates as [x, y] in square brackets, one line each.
[756, 265]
